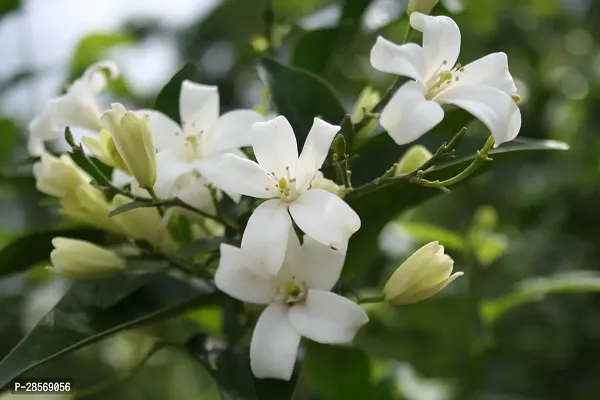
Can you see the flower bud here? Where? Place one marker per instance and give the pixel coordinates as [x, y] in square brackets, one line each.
[58, 177]
[89, 205]
[421, 6]
[80, 259]
[104, 149]
[412, 159]
[320, 182]
[367, 100]
[144, 223]
[339, 145]
[133, 141]
[424, 274]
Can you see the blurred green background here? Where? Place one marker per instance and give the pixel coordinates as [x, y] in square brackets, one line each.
[536, 217]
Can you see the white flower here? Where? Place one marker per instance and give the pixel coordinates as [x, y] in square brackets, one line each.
[77, 108]
[284, 178]
[80, 259]
[299, 300]
[484, 87]
[203, 134]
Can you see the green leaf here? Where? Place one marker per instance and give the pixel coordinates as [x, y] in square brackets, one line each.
[338, 373]
[201, 246]
[92, 310]
[167, 100]
[131, 206]
[428, 233]
[380, 206]
[7, 6]
[28, 250]
[535, 289]
[300, 96]
[9, 137]
[92, 48]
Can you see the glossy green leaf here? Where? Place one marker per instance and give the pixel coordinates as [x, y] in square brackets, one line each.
[300, 96]
[18, 255]
[338, 373]
[167, 100]
[203, 245]
[92, 310]
[131, 206]
[536, 289]
[92, 48]
[380, 206]
[7, 6]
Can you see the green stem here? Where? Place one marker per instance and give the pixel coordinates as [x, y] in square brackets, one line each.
[376, 298]
[156, 199]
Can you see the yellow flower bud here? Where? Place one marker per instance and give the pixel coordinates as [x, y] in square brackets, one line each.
[412, 160]
[422, 6]
[133, 141]
[367, 100]
[58, 177]
[89, 205]
[104, 149]
[424, 274]
[80, 259]
[144, 223]
[320, 182]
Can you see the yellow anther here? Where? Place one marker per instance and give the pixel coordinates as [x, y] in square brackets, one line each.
[192, 139]
[516, 97]
[292, 289]
[283, 184]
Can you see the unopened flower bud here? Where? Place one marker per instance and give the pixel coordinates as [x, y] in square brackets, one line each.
[320, 182]
[104, 149]
[80, 259]
[339, 145]
[133, 141]
[413, 159]
[58, 177]
[421, 6]
[367, 100]
[89, 205]
[424, 274]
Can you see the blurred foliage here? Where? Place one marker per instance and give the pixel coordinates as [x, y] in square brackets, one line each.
[532, 253]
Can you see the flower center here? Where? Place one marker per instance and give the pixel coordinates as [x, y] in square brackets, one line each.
[193, 148]
[285, 188]
[441, 80]
[293, 292]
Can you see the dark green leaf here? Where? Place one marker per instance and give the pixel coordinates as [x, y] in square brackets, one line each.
[131, 206]
[9, 137]
[92, 310]
[92, 48]
[300, 96]
[7, 6]
[167, 100]
[377, 208]
[338, 373]
[30, 249]
[203, 245]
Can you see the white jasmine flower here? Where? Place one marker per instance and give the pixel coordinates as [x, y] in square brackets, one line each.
[77, 108]
[484, 87]
[284, 178]
[203, 134]
[299, 300]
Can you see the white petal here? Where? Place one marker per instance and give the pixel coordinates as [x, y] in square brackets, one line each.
[98, 74]
[274, 344]
[231, 131]
[170, 166]
[76, 107]
[234, 174]
[120, 178]
[319, 265]
[275, 146]
[326, 317]
[165, 132]
[266, 235]
[404, 60]
[35, 146]
[198, 107]
[441, 41]
[325, 217]
[408, 115]
[240, 280]
[490, 105]
[314, 152]
[197, 195]
[491, 70]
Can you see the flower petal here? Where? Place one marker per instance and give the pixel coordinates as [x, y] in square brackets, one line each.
[275, 146]
[404, 60]
[497, 110]
[326, 317]
[98, 74]
[231, 131]
[274, 344]
[441, 41]
[165, 132]
[240, 280]
[314, 152]
[170, 166]
[234, 174]
[320, 266]
[76, 107]
[408, 115]
[325, 217]
[198, 107]
[266, 235]
[491, 70]
[120, 178]
[197, 195]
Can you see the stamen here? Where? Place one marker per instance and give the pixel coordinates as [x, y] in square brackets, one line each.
[292, 289]
[516, 97]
